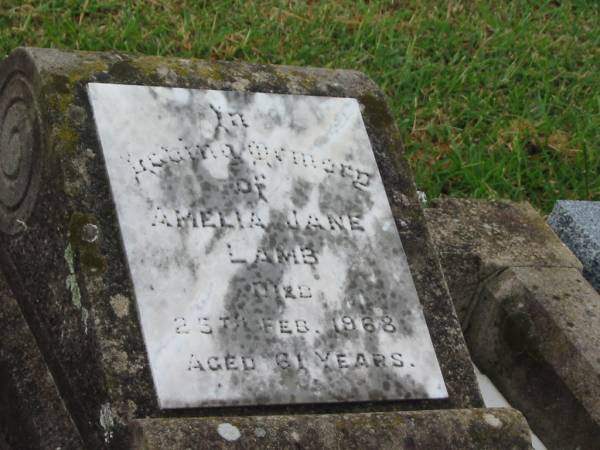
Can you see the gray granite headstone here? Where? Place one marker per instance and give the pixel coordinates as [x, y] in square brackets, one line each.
[265, 259]
[577, 223]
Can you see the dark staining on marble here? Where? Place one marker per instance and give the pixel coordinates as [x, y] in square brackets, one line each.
[378, 294]
[346, 354]
[301, 192]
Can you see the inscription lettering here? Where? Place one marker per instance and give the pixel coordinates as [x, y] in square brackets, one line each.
[262, 289]
[155, 162]
[366, 323]
[330, 360]
[213, 218]
[278, 255]
[221, 363]
[340, 324]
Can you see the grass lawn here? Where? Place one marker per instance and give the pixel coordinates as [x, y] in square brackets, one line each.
[494, 99]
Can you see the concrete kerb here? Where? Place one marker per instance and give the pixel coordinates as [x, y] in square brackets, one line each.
[531, 321]
[481, 429]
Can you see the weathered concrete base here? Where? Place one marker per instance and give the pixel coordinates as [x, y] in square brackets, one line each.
[531, 321]
[536, 333]
[498, 428]
[477, 239]
[31, 409]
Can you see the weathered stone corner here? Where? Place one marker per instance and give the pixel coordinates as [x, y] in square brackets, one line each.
[531, 321]
[467, 429]
[478, 239]
[536, 332]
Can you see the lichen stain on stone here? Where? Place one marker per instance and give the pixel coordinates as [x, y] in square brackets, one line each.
[67, 139]
[119, 366]
[520, 336]
[107, 421]
[240, 85]
[73, 287]
[120, 305]
[167, 74]
[89, 253]
[131, 410]
[492, 420]
[120, 360]
[296, 80]
[377, 109]
[59, 100]
[60, 84]
[228, 432]
[150, 67]
[123, 70]
[79, 165]
[59, 95]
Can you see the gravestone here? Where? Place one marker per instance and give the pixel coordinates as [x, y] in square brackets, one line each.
[190, 239]
[259, 237]
[577, 223]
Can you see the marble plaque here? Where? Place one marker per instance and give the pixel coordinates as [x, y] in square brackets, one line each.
[265, 260]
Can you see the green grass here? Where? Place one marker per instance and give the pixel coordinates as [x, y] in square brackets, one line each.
[494, 99]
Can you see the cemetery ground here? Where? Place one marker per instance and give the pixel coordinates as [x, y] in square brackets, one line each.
[492, 99]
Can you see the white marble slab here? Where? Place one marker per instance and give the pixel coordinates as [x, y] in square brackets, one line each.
[266, 263]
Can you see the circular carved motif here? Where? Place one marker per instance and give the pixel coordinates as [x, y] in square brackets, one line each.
[20, 148]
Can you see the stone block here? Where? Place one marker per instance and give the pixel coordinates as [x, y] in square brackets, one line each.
[476, 239]
[473, 429]
[535, 332]
[32, 413]
[577, 223]
[65, 261]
